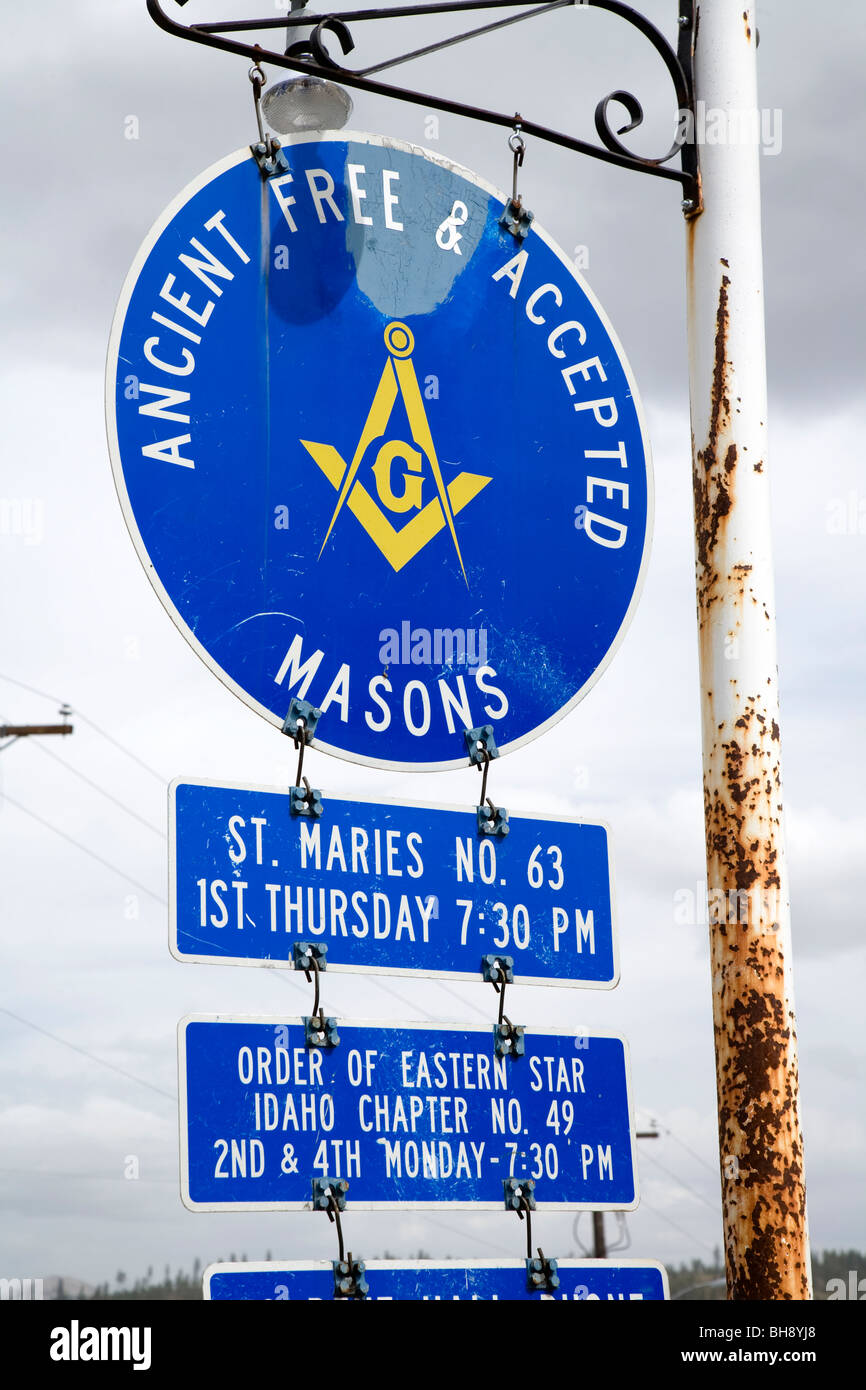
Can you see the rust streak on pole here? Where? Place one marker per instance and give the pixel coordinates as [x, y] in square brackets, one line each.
[761, 1150]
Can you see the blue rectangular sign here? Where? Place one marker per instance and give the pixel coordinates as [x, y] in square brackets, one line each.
[409, 1114]
[440, 1280]
[392, 887]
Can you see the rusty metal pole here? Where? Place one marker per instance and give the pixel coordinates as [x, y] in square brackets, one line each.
[763, 1189]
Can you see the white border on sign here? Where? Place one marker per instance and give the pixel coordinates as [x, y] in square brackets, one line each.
[280, 1020]
[406, 971]
[277, 1267]
[386, 142]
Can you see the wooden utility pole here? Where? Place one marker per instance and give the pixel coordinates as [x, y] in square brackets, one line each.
[11, 732]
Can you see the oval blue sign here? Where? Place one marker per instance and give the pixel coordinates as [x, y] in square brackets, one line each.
[376, 451]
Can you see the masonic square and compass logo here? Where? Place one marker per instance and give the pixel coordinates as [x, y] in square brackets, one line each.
[426, 516]
[299, 490]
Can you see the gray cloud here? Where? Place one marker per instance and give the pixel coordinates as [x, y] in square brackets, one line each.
[80, 621]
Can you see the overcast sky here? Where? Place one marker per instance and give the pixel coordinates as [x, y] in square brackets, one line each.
[85, 953]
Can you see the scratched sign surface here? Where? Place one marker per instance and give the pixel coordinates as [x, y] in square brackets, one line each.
[408, 1114]
[440, 1281]
[377, 452]
[387, 886]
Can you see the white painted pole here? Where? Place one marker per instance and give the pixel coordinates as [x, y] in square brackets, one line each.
[764, 1202]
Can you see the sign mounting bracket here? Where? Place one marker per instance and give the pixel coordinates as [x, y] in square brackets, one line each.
[329, 1194]
[225, 34]
[541, 1273]
[300, 725]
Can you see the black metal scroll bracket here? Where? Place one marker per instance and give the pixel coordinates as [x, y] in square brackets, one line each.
[320, 63]
[329, 1194]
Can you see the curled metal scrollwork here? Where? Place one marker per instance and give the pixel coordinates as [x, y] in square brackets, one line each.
[679, 76]
[335, 26]
[635, 111]
[319, 62]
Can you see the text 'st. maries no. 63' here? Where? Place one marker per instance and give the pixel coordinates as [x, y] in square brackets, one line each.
[345, 399]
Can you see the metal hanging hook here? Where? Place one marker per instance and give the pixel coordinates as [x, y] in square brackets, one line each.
[257, 77]
[268, 150]
[541, 1273]
[329, 1195]
[314, 966]
[300, 726]
[481, 747]
[517, 145]
[334, 1218]
[484, 768]
[508, 1038]
[319, 1030]
[525, 1207]
[500, 990]
[519, 1197]
[300, 744]
[515, 218]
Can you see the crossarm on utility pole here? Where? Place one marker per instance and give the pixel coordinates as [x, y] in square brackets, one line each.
[25, 730]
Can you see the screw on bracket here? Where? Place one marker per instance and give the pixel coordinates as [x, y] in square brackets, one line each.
[304, 953]
[492, 820]
[329, 1194]
[301, 720]
[349, 1278]
[480, 744]
[541, 1274]
[516, 219]
[508, 1039]
[519, 1194]
[320, 1031]
[305, 800]
[269, 156]
[496, 969]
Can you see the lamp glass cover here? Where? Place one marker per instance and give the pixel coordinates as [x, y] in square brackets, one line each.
[306, 103]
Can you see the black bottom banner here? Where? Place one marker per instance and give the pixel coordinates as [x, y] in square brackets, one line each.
[127, 1337]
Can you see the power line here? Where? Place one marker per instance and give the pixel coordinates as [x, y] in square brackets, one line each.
[381, 985]
[78, 845]
[683, 1145]
[431, 1018]
[645, 1206]
[703, 1162]
[110, 739]
[37, 1028]
[684, 1185]
[22, 685]
[96, 787]
[88, 1177]
[493, 1245]
[465, 1003]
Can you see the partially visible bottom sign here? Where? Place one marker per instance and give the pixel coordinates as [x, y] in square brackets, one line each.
[439, 1280]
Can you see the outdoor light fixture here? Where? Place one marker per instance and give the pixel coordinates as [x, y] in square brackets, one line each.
[304, 103]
